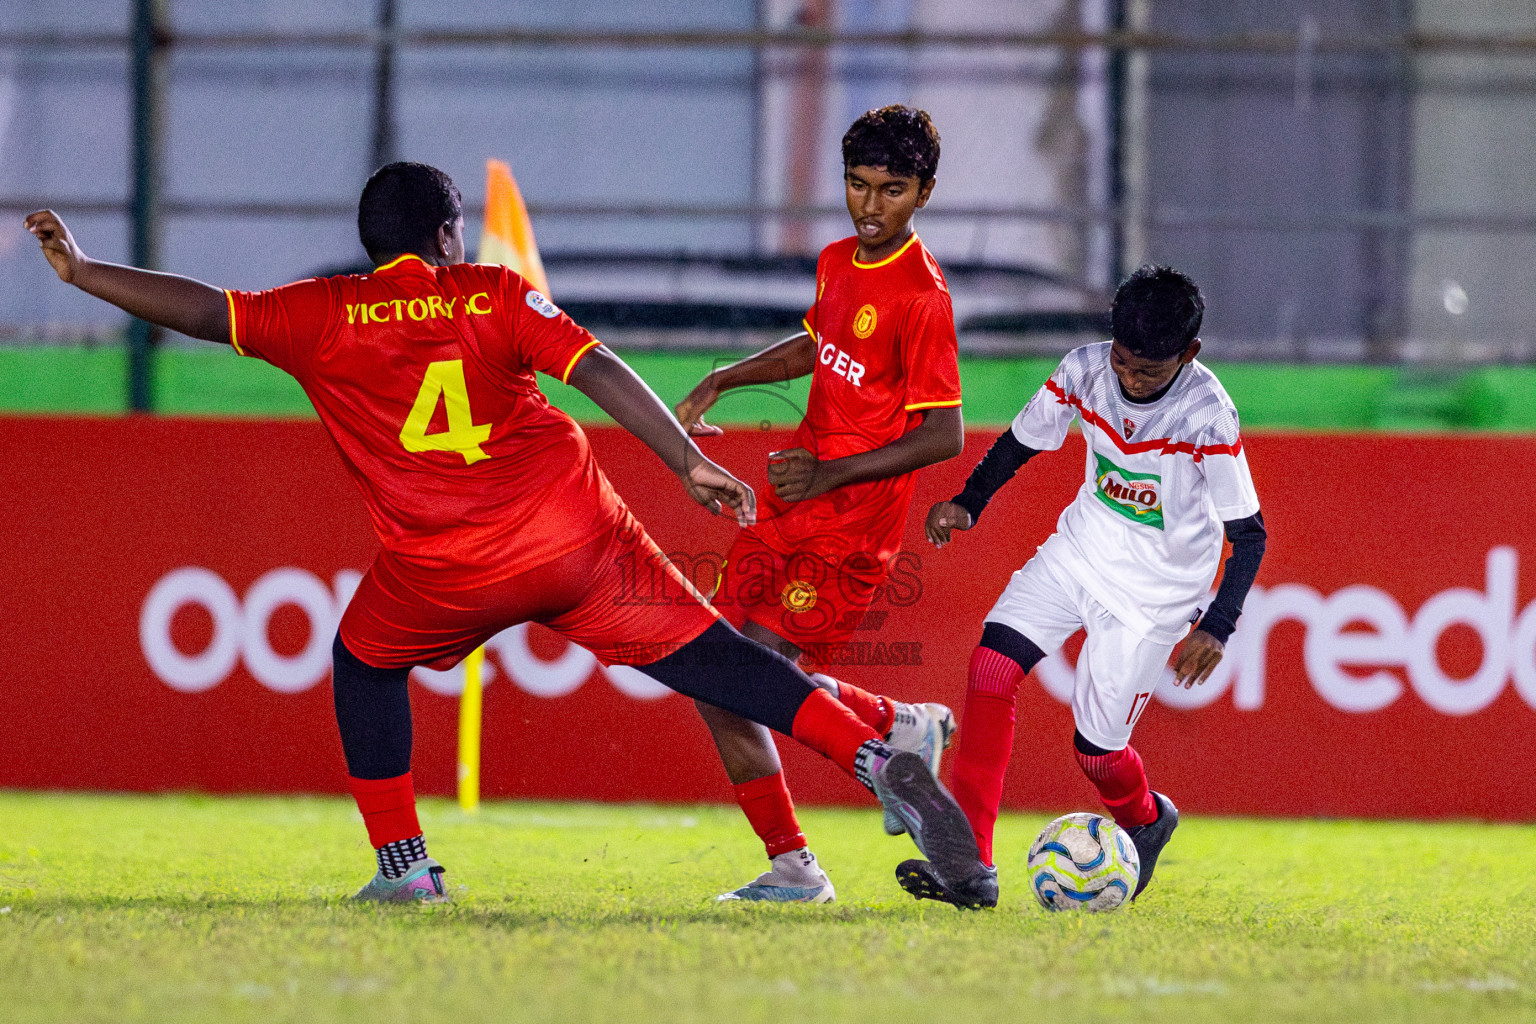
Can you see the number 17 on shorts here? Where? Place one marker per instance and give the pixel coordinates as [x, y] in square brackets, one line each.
[1139, 704]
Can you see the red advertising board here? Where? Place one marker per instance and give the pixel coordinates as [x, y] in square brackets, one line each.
[169, 588]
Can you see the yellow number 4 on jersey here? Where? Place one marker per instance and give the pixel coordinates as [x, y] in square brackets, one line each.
[446, 380]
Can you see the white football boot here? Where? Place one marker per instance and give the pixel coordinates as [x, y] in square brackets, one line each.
[795, 877]
[925, 730]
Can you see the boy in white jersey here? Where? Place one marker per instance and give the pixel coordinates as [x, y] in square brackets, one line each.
[1131, 561]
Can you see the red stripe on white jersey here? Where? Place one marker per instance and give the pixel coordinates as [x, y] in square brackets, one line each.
[1165, 445]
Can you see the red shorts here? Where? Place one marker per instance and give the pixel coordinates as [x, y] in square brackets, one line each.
[617, 596]
[813, 599]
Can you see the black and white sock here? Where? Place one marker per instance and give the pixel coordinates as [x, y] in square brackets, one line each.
[395, 858]
[870, 758]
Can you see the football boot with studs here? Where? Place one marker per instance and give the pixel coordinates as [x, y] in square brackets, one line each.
[977, 893]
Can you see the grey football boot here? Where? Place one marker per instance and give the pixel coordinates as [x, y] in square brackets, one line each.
[977, 893]
[927, 731]
[929, 814]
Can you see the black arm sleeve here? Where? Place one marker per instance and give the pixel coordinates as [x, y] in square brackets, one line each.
[996, 468]
[1247, 537]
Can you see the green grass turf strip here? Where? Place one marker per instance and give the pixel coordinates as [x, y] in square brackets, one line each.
[215, 382]
[118, 908]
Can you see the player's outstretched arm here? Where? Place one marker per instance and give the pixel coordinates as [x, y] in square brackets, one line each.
[619, 391]
[796, 474]
[793, 357]
[994, 470]
[179, 303]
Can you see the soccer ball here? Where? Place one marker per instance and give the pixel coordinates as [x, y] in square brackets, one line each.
[1083, 862]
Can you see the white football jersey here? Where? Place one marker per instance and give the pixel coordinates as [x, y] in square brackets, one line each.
[1144, 534]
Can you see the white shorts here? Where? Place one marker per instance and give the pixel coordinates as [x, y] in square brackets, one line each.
[1118, 668]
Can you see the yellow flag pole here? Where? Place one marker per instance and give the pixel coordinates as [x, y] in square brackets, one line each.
[469, 732]
[507, 239]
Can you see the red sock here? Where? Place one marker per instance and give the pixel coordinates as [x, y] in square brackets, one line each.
[1122, 784]
[767, 805]
[985, 741]
[825, 724]
[389, 808]
[873, 710]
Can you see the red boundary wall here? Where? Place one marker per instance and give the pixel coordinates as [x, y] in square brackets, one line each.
[170, 588]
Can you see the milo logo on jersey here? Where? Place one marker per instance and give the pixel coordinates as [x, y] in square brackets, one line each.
[1137, 496]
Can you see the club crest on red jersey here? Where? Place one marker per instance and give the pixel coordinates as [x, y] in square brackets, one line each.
[864, 321]
[798, 596]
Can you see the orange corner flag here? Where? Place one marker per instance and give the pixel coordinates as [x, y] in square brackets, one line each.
[508, 235]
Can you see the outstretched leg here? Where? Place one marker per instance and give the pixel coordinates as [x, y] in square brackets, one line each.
[725, 669]
[923, 729]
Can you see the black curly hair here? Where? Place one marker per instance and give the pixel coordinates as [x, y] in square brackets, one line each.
[402, 206]
[898, 138]
[1157, 312]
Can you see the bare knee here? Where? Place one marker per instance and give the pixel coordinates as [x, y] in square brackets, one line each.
[746, 749]
[724, 722]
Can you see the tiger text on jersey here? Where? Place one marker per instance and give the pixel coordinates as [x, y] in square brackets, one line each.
[884, 354]
[842, 363]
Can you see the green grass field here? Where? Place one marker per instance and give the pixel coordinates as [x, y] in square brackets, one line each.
[201, 908]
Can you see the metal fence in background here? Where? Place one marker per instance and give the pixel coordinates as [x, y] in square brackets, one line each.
[1360, 189]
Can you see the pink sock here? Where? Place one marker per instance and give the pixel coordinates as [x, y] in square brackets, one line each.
[985, 741]
[1122, 784]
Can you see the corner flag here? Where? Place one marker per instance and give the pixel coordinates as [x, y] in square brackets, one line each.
[508, 236]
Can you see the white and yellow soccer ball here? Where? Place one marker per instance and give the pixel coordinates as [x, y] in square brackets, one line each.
[1083, 862]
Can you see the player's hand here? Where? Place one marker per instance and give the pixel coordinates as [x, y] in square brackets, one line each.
[58, 244]
[690, 411]
[717, 490]
[1199, 658]
[943, 517]
[796, 475]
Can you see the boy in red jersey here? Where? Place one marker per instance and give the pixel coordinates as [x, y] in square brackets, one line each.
[492, 512]
[879, 343]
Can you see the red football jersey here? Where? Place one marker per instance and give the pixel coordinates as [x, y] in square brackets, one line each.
[424, 377]
[885, 352]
